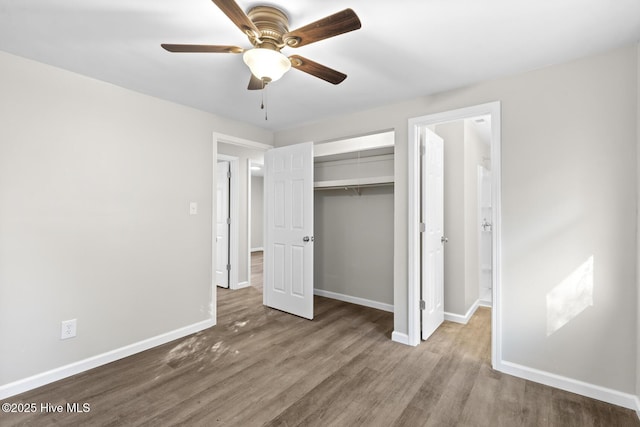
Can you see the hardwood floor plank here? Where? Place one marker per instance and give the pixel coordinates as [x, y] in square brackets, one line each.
[478, 409]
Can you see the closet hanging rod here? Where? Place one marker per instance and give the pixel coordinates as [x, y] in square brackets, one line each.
[355, 182]
[351, 186]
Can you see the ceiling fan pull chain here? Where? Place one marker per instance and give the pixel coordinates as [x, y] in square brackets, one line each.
[265, 101]
[262, 96]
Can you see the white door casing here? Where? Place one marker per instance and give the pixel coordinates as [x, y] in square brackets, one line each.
[432, 236]
[412, 334]
[222, 224]
[288, 239]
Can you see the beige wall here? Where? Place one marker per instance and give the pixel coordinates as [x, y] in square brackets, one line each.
[95, 186]
[454, 204]
[568, 192]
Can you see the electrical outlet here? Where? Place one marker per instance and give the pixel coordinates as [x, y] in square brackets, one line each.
[68, 329]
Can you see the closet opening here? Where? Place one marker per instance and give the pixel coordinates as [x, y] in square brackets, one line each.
[353, 224]
[329, 218]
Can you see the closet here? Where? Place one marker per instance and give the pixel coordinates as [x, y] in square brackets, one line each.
[353, 220]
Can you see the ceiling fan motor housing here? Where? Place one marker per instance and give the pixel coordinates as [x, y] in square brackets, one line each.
[273, 25]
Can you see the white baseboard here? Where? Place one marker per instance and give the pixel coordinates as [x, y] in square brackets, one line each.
[485, 303]
[569, 384]
[459, 318]
[637, 408]
[257, 249]
[242, 285]
[399, 337]
[354, 300]
[38, 380]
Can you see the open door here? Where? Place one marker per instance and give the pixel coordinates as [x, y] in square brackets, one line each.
[288, 238]
[222, 224]
[432, 236]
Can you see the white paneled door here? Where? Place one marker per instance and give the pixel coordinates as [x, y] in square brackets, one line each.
[222, 224]
[433, 240]
[288, 248]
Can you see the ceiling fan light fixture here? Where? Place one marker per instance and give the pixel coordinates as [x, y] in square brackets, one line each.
[266, 64]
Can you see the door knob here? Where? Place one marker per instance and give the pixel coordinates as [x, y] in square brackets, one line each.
[307, 239]
[444, 239]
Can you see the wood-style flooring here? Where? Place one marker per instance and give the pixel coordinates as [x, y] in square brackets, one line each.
[260, 366]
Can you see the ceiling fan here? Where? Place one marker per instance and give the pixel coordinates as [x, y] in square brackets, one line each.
[268, 31]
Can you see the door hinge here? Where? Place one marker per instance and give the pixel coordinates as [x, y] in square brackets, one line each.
[228, 267]
[423, 227]
[228, 174]
[423, 305]
[423, 150]
[229, 221]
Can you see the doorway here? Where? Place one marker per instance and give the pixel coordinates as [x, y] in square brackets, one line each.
[239, 153]
[358, 173]
[226, 196]
[416, 129]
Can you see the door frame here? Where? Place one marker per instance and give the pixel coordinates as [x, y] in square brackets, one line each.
[232, 140]
[234, 228]
[413, 155]
[228, 224]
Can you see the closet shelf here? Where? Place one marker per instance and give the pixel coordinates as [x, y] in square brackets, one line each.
[354, 182]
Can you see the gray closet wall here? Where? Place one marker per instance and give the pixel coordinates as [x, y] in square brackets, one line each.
[353, 227]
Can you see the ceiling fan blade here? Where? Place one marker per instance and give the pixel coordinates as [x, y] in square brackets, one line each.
[333, 25]
[201, 48]
[255, 83]
[318, 70]
[238, 17]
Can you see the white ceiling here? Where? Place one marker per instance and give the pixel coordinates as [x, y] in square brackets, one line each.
[404, 50]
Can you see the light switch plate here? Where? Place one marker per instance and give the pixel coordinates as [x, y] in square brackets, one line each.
[193, 208]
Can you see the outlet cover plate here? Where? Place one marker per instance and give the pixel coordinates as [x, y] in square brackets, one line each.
[68, 329]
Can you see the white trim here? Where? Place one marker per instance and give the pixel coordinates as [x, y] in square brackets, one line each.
[354, 300]
[213, 289]
[244, 284]
[484, 303]
[414, 256]
[351, 145]
[637, 408]
[249, 221]
[260, 249]
[233, 140]
[459, 318]
[569, 384]
[352, 182]
[413, 291]
[399, 337]
[38, 380]
[234, 214]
